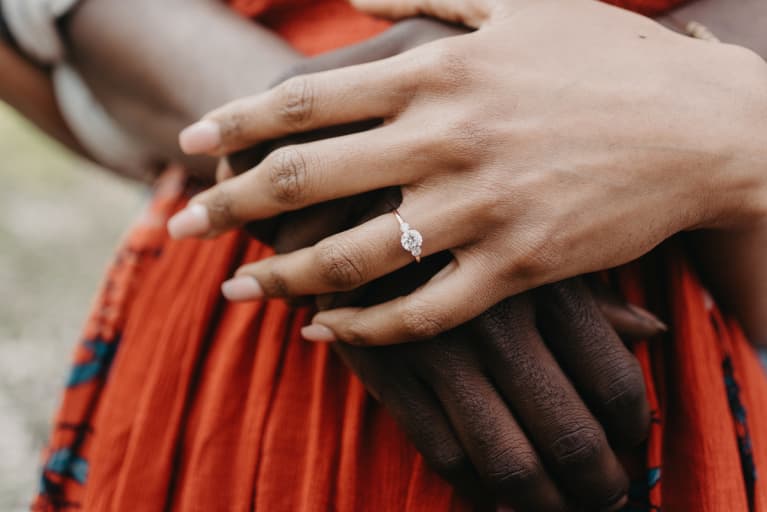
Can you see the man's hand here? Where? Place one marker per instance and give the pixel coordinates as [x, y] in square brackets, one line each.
[531, 401]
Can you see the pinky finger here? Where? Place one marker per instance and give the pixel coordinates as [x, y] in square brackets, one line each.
[458, 293]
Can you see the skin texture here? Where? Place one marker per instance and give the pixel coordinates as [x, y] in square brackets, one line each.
[449, 385]
[449, 394]
[524, 413]
[617, 126]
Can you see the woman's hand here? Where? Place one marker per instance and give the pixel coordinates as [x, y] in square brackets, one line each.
[561, 138]
[456, 395]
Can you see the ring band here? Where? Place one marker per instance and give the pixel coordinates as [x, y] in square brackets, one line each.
[411, 240]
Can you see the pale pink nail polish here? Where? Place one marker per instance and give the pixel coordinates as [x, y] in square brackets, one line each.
[318, 333]
[201, 137]
[191, 221]
[242, 288]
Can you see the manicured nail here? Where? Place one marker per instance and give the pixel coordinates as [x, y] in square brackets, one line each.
[648, 317]
[201, 137]
[318, 333]
[242, 288]
[191, 221]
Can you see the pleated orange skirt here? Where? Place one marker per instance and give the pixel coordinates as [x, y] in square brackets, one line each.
[179, 400]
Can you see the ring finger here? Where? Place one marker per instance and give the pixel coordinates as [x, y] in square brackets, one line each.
[349, 259]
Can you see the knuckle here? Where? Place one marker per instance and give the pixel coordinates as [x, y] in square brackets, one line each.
[421, 320]
[445, 67]
[470, 140]
[574, 304]
[535, 259]
[459, 143]
[572, 297]
[493, 327]
[221, 208]
[626, 403]
[450, 464]
[579, 447]
[626, 389]
[233, 125]
[510, 470]
[296, 100]
[443, 361]
[287, 174]
[275, 284]
[355, 332]
[337, 267]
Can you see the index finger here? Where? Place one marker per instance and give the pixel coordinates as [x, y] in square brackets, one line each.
[367, 91]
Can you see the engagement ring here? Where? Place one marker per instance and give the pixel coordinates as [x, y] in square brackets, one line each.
[411, 239]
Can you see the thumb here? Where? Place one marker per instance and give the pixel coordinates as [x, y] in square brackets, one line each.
[469, 13]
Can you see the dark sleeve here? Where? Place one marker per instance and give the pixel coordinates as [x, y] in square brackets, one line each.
[5, 33]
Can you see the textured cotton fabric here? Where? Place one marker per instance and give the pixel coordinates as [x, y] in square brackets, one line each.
[181, 401]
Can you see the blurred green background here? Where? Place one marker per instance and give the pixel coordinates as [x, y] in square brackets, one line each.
[60, 219]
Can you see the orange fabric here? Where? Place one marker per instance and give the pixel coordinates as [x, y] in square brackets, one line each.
[182, 401]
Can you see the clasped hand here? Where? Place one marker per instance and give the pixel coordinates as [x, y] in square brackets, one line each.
[572, 385]
[531, 154]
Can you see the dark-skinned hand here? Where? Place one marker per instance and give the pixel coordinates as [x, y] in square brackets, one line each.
[526, 405]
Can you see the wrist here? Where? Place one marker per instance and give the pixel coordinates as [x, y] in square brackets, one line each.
[736, 195]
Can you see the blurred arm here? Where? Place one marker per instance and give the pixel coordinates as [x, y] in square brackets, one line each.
[28, 89]
[158, 65]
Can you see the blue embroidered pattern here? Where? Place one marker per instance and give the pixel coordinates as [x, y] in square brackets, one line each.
[103, 353]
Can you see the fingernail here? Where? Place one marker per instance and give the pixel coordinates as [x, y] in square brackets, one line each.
[318, 333]
[648, 317]
[191, 221]
[201, 137]
[242, 288]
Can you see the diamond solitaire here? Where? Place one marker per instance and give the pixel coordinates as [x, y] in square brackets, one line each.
[411, 239]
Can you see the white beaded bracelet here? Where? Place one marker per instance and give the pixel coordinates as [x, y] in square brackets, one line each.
[93, 127]
[34, 27]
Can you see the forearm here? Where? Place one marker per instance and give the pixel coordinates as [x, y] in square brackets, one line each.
[733, 265]
[733, 257]
[28, 89]
[732, 261]
[157, 65]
